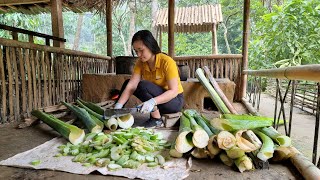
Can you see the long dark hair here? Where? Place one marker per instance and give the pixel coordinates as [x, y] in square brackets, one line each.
[148, 40]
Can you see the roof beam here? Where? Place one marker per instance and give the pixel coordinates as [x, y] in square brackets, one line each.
[19, 2]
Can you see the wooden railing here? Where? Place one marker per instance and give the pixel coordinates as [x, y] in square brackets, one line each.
[14, 32]
[221, 66]
[292, 74]
[34, 76]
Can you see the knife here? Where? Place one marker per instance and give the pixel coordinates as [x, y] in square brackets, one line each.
[118, 112]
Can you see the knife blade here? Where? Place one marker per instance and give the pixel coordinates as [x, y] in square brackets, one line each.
[119, 112]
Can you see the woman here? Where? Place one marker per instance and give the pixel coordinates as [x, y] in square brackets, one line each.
[155, 80]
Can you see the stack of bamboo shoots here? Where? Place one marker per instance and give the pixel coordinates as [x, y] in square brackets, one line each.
[91, 116]
[239, 140]
[234, 139]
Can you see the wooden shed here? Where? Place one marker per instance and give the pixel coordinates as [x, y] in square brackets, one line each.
[192, 19]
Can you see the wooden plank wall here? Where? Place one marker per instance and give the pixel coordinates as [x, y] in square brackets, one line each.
[34, 78]
[221, 66]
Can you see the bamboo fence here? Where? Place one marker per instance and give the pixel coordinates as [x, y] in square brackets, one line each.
[34, 76]
[305, 97]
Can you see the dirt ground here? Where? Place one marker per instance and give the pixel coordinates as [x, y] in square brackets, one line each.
[14, 141]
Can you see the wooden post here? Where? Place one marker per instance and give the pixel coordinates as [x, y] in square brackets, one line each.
[214, 39]
[244, 65]
[109, 31]
[14, 35]
[109, 27]
[31, 38]
[171, 28]
[160, 39]
[57, 22]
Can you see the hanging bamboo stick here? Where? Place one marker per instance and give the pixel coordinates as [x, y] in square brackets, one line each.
[38, 75]
[219, 91]
[49, 77]
[34, 83]
[16, 81]
[45, 83]
[10, 85]
[62, 77]
[23, 81]
[3, 85]
[29, 76]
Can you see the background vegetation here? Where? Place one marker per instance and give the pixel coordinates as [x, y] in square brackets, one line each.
[283, 32]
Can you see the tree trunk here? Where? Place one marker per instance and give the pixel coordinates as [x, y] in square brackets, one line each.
[154, 9]
[132, 7]
[78, 32]
[226, 37]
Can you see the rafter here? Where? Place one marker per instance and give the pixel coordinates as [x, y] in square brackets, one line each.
[17, 2]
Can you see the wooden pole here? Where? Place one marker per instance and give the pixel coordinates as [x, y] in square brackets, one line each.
[214, 39]
[109, 27]
[109, 31]
[57, 22]
[171, 28]
[160, 39]
[244, 65]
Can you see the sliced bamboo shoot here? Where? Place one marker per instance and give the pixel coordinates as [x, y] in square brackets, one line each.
[125, 121]
[243, 143]
[184, 139]
[244, 163]
[226, 140]
[74, 134]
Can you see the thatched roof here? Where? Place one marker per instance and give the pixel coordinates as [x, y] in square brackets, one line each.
[191, 19]
[43, 6]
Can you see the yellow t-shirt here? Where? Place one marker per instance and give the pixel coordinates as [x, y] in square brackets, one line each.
[166, 69]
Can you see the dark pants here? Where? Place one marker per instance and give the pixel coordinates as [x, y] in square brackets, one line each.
[147, 90]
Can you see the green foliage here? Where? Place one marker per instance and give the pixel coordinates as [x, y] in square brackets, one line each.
[288, 36]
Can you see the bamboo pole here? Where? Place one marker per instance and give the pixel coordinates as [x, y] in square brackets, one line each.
[171, 28]
[23, 81]
[305, 167]
[16, 81]
[34, 84]
[109, 28]
[304, 72]
[10, 85]
[219, 91]
[3, 86]
[215, 56]
[29, 75]
[47, 62]
[244, 65]
[38, 76]
[45, 82]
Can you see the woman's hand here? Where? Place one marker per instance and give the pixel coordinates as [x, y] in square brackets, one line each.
[148, 106]
[118, 106]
